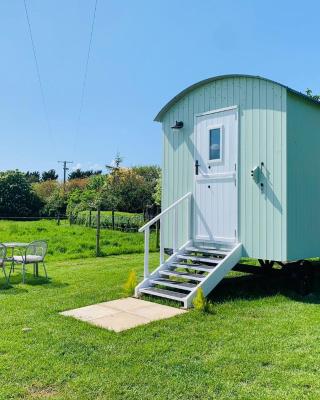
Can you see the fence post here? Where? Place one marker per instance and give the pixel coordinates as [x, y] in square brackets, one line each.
[98, 233]
[112, 214]
[90, 217]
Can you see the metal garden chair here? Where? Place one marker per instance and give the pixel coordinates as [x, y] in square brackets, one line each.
[3, 255]
[34, 254]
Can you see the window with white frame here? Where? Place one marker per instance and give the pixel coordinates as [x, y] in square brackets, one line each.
[215, 144]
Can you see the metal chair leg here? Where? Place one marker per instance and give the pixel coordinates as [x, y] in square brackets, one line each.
[5, 274]
[45, 269]
[10, 271]
[23, 272]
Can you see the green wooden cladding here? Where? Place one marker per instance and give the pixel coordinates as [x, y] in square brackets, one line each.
[278, 127]
[303, 153]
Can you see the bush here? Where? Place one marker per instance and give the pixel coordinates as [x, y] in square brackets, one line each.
[200, 302]
[17, 198]
[131, 283]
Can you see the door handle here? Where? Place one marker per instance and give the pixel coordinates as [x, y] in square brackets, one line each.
[197, 165]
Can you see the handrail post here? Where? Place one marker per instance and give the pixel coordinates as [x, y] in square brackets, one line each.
[189, 217]
[146, 252]
[161, 242]
[175, 230]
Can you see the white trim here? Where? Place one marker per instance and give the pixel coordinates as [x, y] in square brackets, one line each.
[164, 212]
[237, 172]
[216, 274]
[216, 176]
[221, 132]
[216, 111]
[155, 274]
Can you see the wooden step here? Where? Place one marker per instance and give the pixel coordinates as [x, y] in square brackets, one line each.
[184, 275]
[174, 284]
[195, 267]
[207, 251]
[199, 259]
[168, 294]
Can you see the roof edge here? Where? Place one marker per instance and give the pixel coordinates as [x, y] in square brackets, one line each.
[176, 98]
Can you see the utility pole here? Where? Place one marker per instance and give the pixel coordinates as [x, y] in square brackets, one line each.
[65, 169]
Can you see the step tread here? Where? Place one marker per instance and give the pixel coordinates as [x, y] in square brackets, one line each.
[170, 283]
[207, 251]
[200, 259]
[194, 277]
[196, 267]
[170, 294]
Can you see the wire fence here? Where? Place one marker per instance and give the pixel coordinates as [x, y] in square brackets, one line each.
[37, 218]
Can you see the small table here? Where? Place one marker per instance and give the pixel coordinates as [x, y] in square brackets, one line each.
[12, 245]
[20, 246]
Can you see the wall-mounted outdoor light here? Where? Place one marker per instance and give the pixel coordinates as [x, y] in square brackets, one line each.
[177, 125]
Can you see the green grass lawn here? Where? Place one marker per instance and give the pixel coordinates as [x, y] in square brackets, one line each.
[261, 341]
[69, 242]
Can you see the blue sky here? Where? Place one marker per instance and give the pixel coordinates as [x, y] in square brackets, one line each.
[143, 53]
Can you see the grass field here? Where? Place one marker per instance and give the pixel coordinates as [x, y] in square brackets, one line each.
[261, 342]
[69, 242]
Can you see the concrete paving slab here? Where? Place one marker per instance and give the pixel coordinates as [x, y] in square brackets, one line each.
[119, 315]
[127, 304]
[157, 311]
[120, 321]
[90, 312]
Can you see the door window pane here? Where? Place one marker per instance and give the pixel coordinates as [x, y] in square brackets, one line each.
[215, 144]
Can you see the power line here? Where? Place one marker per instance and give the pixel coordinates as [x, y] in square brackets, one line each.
[84, 82]
[38, 72]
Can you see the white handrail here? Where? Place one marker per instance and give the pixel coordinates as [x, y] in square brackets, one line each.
[146, 230]
[164, 212]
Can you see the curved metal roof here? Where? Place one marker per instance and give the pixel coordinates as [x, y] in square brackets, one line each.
[176, 98]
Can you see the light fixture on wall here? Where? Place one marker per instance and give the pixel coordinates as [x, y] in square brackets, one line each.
[177, 125]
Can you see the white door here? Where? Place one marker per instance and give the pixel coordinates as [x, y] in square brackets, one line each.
[216, 153]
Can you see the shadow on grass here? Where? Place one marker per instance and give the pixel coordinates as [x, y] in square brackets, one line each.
[252, 286]
[30, 280]
[8, 290]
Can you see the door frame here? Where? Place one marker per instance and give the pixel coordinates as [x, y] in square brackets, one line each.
[215, 111]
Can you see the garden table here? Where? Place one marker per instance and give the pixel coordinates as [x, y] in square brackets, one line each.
[20, 246]
[13, 245]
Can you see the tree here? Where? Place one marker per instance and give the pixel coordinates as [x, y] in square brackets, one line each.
[115, 163]
[125, 190]
[45, 189]
[56, 204]
[49, 175]
[88, 197]
[158, 191]
[52, 196]
[78, 174]
[17, 198]
[150, 175]
[33, 176]
[309, 93]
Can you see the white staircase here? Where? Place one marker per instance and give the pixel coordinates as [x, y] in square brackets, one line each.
[190, 267]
